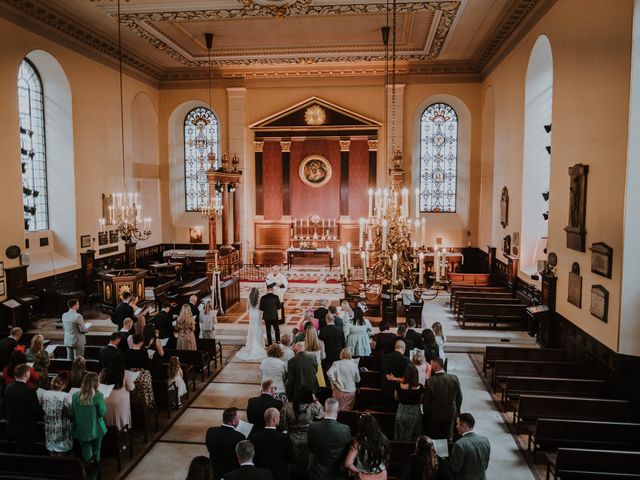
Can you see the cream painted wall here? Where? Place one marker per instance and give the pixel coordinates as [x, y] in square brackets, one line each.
[591, 45]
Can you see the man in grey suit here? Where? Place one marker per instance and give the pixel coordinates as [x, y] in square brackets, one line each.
[469, 457]
[301, 370]
[328, 444]
[74, 330]
[442, 400]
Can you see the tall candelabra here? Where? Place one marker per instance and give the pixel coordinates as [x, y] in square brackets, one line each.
[125, 215]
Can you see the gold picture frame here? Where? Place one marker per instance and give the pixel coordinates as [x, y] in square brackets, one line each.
[315, 171]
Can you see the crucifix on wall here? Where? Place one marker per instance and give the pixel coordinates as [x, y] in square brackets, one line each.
[576, 231]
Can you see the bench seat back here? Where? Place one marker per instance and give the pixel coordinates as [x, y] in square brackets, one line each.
[605, 461]
[532, 407]
[552, 433]
[555, 386]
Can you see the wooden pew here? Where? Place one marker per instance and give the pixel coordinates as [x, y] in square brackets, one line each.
[166, 293]
[456, 290]
[493, 354]
[493, 313]
[552, 433]
[385, 419]
[199, 287]
[399, 457]
[41, 467]
[196, 358]
[536, 368]
[213, 348]
[370, 379]
[566, 387]
[370, 399]
[582, 464]
[476, 279]
[58, 364]
[532, 407]
[484, 298]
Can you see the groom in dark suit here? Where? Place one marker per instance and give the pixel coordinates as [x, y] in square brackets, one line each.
[270, 305]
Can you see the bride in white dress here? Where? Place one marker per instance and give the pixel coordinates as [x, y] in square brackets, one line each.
[254, 346]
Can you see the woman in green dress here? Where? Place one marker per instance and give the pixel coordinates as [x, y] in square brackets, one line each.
[89, 410]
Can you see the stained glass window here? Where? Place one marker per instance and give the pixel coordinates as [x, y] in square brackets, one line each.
[200, 140]
[32, 148]
[438, 158]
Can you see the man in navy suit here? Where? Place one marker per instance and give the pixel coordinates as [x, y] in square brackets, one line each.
[247, 470]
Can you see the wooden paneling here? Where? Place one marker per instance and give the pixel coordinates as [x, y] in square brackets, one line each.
[286, 183]
[373, 166]
[344, 183]
[272, 235]
[259, 185]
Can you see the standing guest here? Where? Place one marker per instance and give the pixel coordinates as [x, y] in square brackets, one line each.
[383, 341]
[9, 374]
[126, 332]
[287, 348]
[394, 365]
[442, 401]
[300, 336]
[401, 334]
[470, 453]
[413, 335]
[424, 368]
[256, 406]
[332, 337]
[328, 445]
[89, 410]
[74, 330]
[140, 319]
[185, 325]
[301, 370]
[58, 419]
[208, 319]
[164, 325]
[321, 313]
[344, 375]
[123, 310]
[195, 311]
[275, 369]
[23, 410]
[39, 358]
[155, 352]
[119, 401]
[346, 314]
[408, 424]
[273, 450]
[270, 306]
[337, 320]
[307, 318]
[221, 442]
[78, 372]
[176, 377]
[110, 350]
[137, 356]
[247, 470]
[429, 344]
[314, 346]
[358, 338]
[8, 345]
[200, 469]
[423, 463]
[369, 452]
[297, 416]
[441, 339]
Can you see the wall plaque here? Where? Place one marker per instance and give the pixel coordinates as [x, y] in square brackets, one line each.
[574, 295]
[576, 231]
[599, 302]
[601, 256]
[315, 170]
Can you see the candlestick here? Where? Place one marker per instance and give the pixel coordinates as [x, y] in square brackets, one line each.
[363, 256]
[423, 235]
[384, 235]
[361, 232]
[405, 202]
[420, 268]
[370, 209]
[436, 262]
[348, 256]
[417, 192]
[395, 269]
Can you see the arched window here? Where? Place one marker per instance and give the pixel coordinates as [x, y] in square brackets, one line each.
[438, 158]
[32, 148]
[200, 140]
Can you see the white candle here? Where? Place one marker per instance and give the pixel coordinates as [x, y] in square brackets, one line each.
[420, 268]
[370, 210]
[384, 235]
[405, 202]
[378, 203]
[361, 232]
[363, 256]
[341, 260]
[395, 269]
[436, 262]
[417, 192]
[417, 232]
[423, 235]
[348, 256]
[307, 222]
[323, 223]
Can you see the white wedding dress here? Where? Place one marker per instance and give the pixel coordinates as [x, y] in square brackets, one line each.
[254, 346]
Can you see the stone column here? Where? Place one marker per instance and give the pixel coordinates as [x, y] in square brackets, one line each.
[243, 210]
[373, 163]
[226, 239]
[286, 177]
[236, 215]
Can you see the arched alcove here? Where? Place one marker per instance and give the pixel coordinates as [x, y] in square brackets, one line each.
[536, 169]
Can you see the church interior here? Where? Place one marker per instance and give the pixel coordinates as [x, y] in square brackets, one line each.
[421, 162]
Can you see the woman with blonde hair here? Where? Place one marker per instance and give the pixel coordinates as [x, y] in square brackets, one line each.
[346, 314]
[441, 339]
[89, 410]
[208, 319]
[344, 375]
[176, 377]
[186, 325]
[39, 357]
[315, 346]
[424, 369]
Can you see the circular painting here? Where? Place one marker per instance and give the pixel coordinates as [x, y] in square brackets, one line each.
[315, 170]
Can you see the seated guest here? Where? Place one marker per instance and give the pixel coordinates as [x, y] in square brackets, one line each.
[78, 372]
[301, 370]
[328, 444]
[287, 348]
[429, 345]
[256, 406]
[186, 326]
[221, 442]
[413, 335]
[275, 369]
[8, 345]
[297, 415]
[137, 356]
[383, 341]
[321, 312]
[332, 337]
[123, 310]
[307, 318]
[401, 334]
[333, 310]
[58, 419]
[23, 409]
[441, 339]
[247, 470]
[470, 454]
[126, 332]
[89, 410]
[153, 345]
[200, 469]
[273, 451]
[394, 365]
[344, 375]
[9, 375]
[164, 325]
[408, 424]
[423, 463]
[358, 339]
[119, 401]
[110, 350]
[369, 452]
[424, 368]
[208, 319]
[39, 358]
[176, 377]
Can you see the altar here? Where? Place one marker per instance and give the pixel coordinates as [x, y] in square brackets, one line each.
[309, 254]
